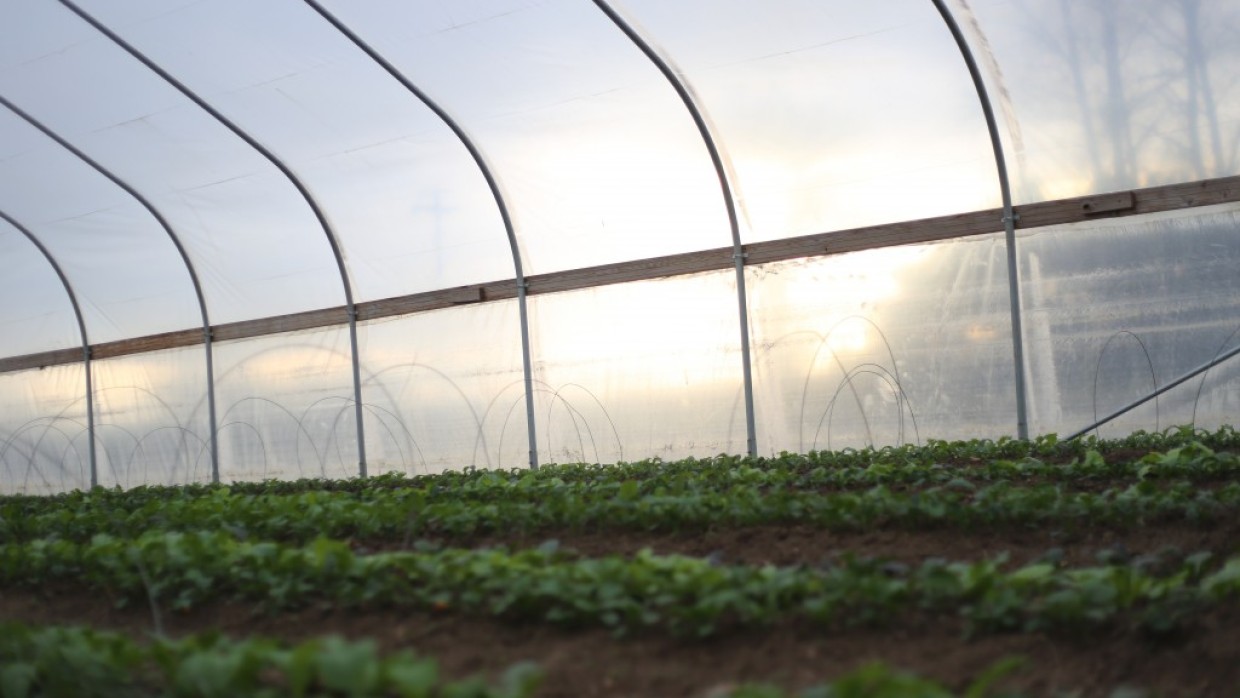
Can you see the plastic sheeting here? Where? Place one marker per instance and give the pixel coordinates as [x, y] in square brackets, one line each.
[124, 269]
[286, 407]
[43, 319]
[598, 158]
[1107, 95]
[411, 208]
[639, 370]
[832, 115]
[1120, 308]
[44, 441]
[254, 241]
[882, 347]
[444, 390]
[151, 420]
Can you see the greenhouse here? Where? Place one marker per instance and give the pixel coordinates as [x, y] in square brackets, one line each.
[275, 240]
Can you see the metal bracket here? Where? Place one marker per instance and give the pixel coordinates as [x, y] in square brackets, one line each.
[1109, 203]
[469, 296]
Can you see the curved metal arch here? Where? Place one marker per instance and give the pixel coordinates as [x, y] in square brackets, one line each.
[176, 242]
[284, 169]
[77, 312]
[680, 84]
[496, 193]
[1009, 216]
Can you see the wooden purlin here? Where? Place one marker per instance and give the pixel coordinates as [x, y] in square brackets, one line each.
[1064, 211]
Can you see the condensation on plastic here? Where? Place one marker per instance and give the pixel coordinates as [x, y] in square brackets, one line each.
[35, 311]
[258, 248]
[835, 114]
[126, 273]
[151, 421]
[598, 158]
[639, 370]
[285, 407]
[412, 210]
[444, 390]
[44, 445]
[1099, 95]
[883, 347]
[1117, 308]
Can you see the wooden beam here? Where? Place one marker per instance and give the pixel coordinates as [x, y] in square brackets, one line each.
[1158, 199]
[1172, 197]
[41, 360]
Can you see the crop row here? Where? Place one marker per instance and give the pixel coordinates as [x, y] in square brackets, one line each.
[395, 515]
[877, 680]
[682, 594]
[1194, 463]
[938, 464]
[72, 661]
[84, 663]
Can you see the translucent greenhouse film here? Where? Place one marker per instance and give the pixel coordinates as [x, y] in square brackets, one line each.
[315, 238]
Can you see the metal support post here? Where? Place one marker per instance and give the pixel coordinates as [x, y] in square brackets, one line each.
[1009, 218]
[679, 84]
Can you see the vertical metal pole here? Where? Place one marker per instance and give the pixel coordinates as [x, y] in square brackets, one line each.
[528, 369]
[357, 386]
[1018, 342]
[212, 424]
[176, 242]
[679, 84]
[496, 193]
[1009, 218]
[81, 323]
[742, 305]
[284, 169]
[90, 416]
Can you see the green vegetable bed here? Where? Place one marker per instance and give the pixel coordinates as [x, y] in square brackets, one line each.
[377, 555]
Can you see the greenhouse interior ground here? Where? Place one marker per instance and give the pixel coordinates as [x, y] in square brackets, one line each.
[258, 242]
